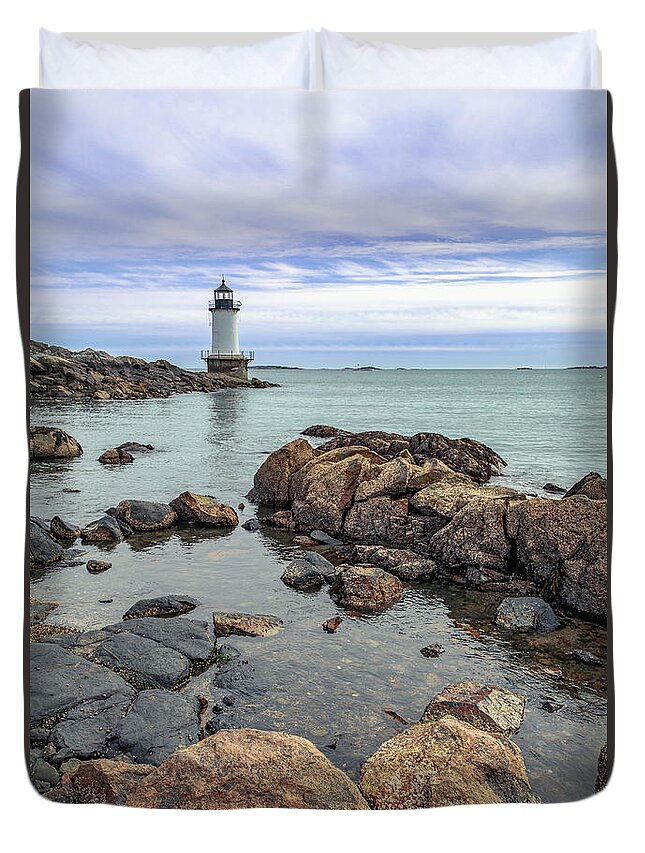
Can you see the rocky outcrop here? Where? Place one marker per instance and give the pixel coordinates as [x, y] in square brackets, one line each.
[446, 762]
[246, 624]
[247, 768]
[562, 546]
[58, 373]
[163, 607]
[115, 456]
[526, 613]
[52, 443]
[271, 484]
[591, 486]
[489, 708]
[192, 508]
[145, 516]
[365, 588]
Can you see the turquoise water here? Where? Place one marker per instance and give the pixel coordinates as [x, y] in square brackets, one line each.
[548, 425]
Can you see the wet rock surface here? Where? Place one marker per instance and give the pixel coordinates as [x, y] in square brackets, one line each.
[163, 606]
[145, 516]
[364, 587]
[104, 530]
[59, 373]
[52, 443]
[489, 708]
[300, 574]
[247, 768]
[246, 624]
[526, 613]
[43, 548]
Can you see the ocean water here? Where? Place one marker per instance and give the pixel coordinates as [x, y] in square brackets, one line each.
[335, 689]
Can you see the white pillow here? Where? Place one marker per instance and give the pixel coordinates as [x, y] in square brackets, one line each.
[286, 62]
[566, 62]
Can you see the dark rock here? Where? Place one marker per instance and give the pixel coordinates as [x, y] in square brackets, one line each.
[550, 706]
[591, 486]
[143, 661]
[40, 610]
[332, 625]
[63, 530]
[241, 506]
[52, 443]
[114, 456]
[157, 725]
[432, 651]
[203, 509]
[603, 769]
[556, 490]
[144, 516]
[489, 708]
[103, 531]
[43, 771]
[365, 588]
[323, 431]
[95, 567]
[164, 606]
[324, 539]
[43, 549]
[443, 763]
[301, 575]
[526, 613]
[271, 484]
[252, 525]
[135, 447]
[246, 624]
[246, 768]
[322, 565]
[586, 657]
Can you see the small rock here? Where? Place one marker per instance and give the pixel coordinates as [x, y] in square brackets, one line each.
[241, 506]
[165, 606]
[301, 575]
[114, 456]
[550, 706]
[303, 541]
[135, 447]
[144, 516]
[332, 625]
[52, 443]
[64, 530]
[246, 624]
[432, 651]
[586, 657]
[526, 613]
[365, 588]
[324, 538]
[192, 508]
[556, 490]
[104, 530]
[43, 771]
[484, 706]
[252, 525]
[100, 780]
[95, 567]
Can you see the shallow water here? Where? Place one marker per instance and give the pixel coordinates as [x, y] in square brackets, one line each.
[334, 689]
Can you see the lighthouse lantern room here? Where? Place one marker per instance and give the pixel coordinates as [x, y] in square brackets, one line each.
[225, 355]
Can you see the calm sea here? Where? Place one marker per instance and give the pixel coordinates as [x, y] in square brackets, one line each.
[548, 425]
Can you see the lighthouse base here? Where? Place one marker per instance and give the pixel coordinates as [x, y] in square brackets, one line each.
[233, 365]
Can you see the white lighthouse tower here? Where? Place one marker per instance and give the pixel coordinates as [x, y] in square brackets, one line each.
[225, 355]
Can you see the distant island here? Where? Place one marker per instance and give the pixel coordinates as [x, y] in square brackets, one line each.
[588, 367]
[369, 367]
[274, 367]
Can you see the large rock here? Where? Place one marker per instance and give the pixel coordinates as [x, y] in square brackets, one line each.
[246, 768]
[64, 530]
[323, 490]
[203, 509]
[475, 536]
[143, 661]
[377, 521]
[158, 724]
[445, 763]
[43, 548]
[364, 587]
[246, 624]
[526, 613]
[592, 486]
[100, 780]
[163, 606]
[562, 547]
[489, 708]
[449, 495]
[271, 484]
[52, 443]
[406, 565]
[144, 516]
[388, 478]
[103, 531]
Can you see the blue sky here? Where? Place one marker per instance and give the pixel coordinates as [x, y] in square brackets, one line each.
[445, 229]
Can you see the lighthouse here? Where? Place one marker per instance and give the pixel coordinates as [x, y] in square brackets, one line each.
[225, 355]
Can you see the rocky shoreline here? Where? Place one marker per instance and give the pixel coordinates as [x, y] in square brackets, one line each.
[141, 712]
[58, 373]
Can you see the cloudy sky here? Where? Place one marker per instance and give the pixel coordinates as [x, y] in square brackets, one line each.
[440, 229]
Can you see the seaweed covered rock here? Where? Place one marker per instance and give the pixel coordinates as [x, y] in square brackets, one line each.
[203, 509]
[446, 762]
[247, 768]
[364, 587]
[52, 443]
